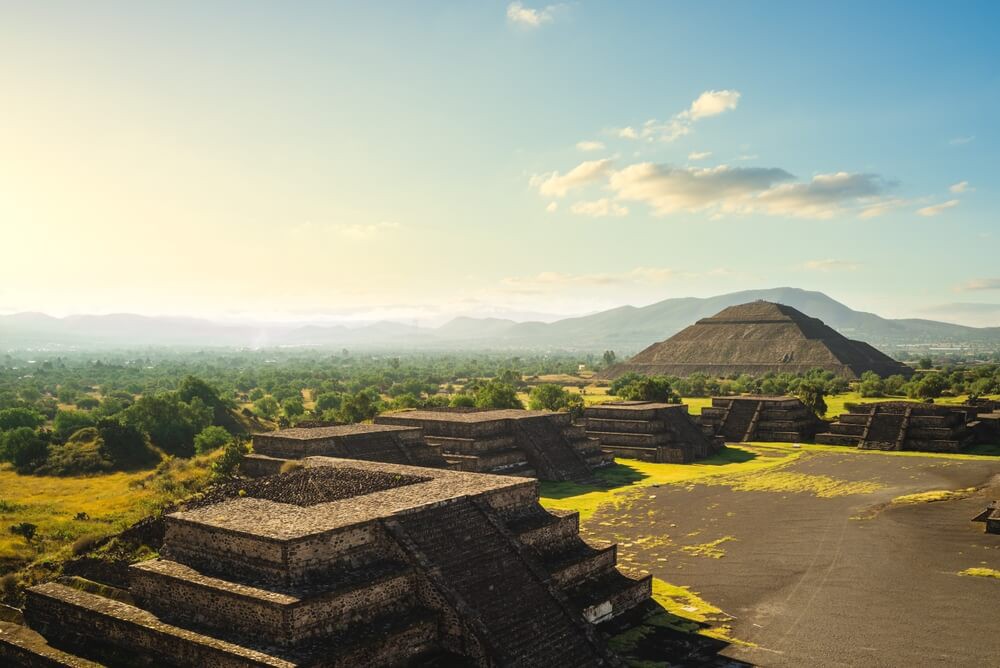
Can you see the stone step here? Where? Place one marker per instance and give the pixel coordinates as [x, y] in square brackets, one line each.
[633, 439]
[626, 426]
[210, 547]
[83, 621]
[610, 594]
[546, 530]
[21, 646]
[580, 560]
[285, 616]
[258, 466]
[471, 446]
[838, 439]
[847, 429]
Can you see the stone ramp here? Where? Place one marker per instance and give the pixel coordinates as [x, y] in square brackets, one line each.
[477, 568]
[549, 451]
[738, 420]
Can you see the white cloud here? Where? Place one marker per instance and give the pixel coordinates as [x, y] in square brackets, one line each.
[830, 265]
[528, 17]
[552, 207]
[882, 206]
[699, 155]
[588, 145]
[668, 189]
[958, 141]
[822, 197]
[601, 208]
[980, 284]
[554, 184]
[712, 103]
[961, 187]
[937, 209]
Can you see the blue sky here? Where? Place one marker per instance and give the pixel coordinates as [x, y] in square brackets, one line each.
[418, 160]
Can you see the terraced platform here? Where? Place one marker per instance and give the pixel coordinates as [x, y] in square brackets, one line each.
[351, 563]
[650, 431]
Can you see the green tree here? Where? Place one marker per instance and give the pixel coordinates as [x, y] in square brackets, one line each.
[232, 454]
[871, 385]
[24, 448]
[811, 392]
[267, 407]
[548, 397]
[608, 357]
[649, 388]
[622, 381]
[293, 406]
[171, 423]
[358, 407]
[497, 394]
[124, 444]
[925, 363]
[66, 423]
[256, 394]
[211, 438]
[327, 401]
[463, 401]
[12, 418]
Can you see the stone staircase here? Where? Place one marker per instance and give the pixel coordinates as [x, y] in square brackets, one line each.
[467, 556]
[447, 564]
[900, 425]
[549, 451]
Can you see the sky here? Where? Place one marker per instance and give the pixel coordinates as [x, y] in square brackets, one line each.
[416, 161]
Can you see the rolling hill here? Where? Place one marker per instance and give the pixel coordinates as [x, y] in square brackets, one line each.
[625, 329]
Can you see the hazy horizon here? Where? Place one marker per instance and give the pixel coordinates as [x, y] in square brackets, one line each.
[417, 162]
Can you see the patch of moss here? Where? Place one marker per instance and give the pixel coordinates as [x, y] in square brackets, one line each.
[822, 486]
[933, 496]
[710, 549]
[981, 572]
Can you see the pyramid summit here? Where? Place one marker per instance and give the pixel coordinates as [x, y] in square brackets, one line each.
[757, 338]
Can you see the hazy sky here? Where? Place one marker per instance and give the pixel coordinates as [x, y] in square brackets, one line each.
[420, 159]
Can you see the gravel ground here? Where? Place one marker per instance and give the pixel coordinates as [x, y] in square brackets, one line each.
[841, 581]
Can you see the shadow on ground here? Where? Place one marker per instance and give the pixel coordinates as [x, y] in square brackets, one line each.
[652, 636]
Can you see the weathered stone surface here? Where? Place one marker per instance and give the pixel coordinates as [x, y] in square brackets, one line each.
[650, 431]
[354, 563]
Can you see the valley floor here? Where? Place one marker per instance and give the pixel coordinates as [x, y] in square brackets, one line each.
[813, 555]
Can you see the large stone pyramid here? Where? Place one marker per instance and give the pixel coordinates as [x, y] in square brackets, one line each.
[757, 338]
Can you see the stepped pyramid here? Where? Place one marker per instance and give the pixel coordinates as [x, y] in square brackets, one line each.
[650, 431]
[507, 441]
[755, 339]
[903, 425]
[347, 563]
[371, 442]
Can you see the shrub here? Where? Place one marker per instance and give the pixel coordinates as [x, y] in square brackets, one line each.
[211, 438]
[24, 448]
[78, 455]
[12, 418]
[67, 423]
[232, 454]
[497, 394]
[26, 530]
[652, 388]
[85, 544]
[124, 444]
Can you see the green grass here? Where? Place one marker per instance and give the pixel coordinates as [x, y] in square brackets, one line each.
[616, 484]
[65, 508]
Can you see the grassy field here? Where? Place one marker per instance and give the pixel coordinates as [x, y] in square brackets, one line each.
[67, 508]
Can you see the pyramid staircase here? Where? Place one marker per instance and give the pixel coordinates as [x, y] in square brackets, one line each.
[901, 425]
[397, 577]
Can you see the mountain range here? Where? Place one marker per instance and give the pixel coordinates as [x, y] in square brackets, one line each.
[625, 329]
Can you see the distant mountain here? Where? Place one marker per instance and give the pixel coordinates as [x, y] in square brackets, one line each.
[625, 329]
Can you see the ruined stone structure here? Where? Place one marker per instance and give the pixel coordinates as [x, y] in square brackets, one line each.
[511, 442]
[653, 432]
[902, 425]
[760, 418]
[990, 517]
[371, 442]
[758, 338]
[365, 564]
